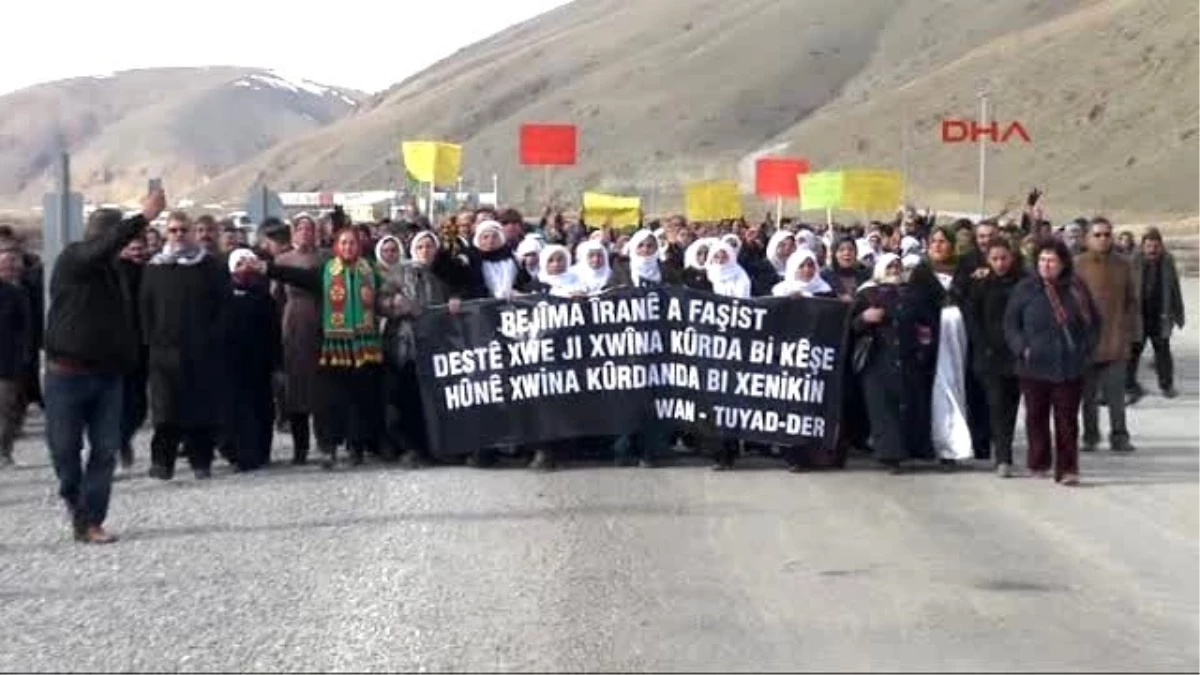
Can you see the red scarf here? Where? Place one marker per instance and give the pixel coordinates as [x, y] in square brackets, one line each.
[1060, 312]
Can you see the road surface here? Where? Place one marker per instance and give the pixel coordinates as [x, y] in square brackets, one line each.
[621, 569]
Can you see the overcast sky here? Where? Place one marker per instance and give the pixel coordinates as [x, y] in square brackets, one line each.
[55, 39]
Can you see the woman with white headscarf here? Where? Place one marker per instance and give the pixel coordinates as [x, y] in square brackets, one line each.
[388, 252]
[527, 255]
[643, 270]
[866, 252]
[492, 264]
[556, 278]
[253, 352]
[426, 279]
[729, 280]
[733, 241]
[895, 323]
[555, 275]
[780, 247]
[644, 267]
[725, 274]
[802, 278]
[591, 266]
[695, 274]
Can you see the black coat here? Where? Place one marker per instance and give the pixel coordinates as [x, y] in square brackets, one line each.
[252, 352]
[183, 324]
[897, 381]
[842, 281]
[476, 283]
[987, 299]
[622, 276]
[91, 319]
[16, 331]
[695, 279]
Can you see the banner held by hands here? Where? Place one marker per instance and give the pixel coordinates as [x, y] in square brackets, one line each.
[863, 190]
[708, 201]
[433, 162]
[778, 177]
[549, 144]
[624, 212]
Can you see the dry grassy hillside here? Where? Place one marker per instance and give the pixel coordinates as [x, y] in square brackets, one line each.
[664, 90]
[672, 90]
[184, 124]
[1108, 93]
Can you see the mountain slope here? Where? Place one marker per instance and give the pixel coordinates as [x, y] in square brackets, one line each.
[183, 124]
[1114, 132]
[674, 90]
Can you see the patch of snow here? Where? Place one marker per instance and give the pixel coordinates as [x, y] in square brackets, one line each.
[104, 76]
[297, 85]
[300, 84]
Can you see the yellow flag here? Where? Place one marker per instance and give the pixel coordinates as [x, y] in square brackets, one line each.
[433, 162]
[624, 211]
[821, 190]
[713, 200]
[852, 190]
[872, 190]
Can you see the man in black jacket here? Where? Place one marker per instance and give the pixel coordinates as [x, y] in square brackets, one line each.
[91, 344]
[16, 340]
[29, 385]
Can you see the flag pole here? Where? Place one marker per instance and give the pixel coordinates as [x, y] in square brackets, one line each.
[778, 211]
[547, 176]
[496, 190]
[432, 217]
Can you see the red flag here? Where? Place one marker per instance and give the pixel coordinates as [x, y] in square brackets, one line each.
[778, 176]
[548, 144]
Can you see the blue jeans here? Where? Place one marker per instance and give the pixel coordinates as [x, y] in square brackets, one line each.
[77, 403]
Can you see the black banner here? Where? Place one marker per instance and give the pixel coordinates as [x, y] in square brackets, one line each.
[538, 368]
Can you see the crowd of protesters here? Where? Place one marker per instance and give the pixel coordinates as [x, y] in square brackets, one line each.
[310, 331]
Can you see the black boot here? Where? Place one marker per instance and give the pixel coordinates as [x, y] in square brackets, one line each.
[330, 460]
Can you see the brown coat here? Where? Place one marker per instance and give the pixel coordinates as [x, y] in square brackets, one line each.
[301, 337]
[1111, 281]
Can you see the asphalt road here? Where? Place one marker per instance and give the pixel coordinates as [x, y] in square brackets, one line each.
[621, 569]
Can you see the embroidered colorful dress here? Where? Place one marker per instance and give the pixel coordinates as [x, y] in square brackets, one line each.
[350, 332]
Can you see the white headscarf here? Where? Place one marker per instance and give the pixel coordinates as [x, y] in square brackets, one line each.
[593, 279]
[691, 257]
[530, 244]
[864, 248]
[412, 244]
[237, 256]
[640, 266]
[498, 275]
[777, 239]
[564, 283]
[909, 245]
[879, 274]
[910, 261]
[379, 249]
[484, 227]
[734, 242]
[793, 285]
[661, 235]
[806, 239]
[727, 279]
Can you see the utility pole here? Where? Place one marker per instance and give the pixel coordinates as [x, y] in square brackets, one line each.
[983, 117]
